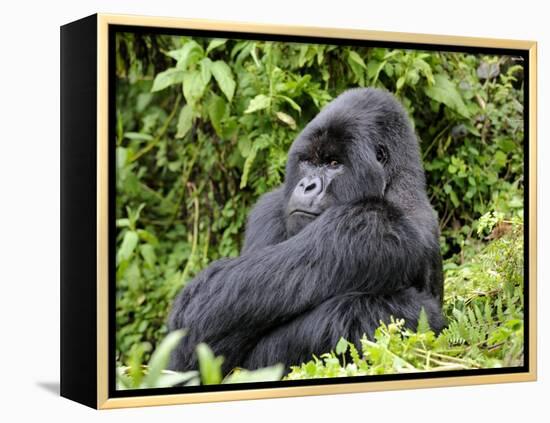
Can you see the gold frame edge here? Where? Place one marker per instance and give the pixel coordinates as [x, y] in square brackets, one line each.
[103, 400]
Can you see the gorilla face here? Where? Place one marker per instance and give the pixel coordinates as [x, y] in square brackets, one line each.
[313, 193]
[336, 160]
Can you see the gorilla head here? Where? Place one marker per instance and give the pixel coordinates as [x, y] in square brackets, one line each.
[360, 146]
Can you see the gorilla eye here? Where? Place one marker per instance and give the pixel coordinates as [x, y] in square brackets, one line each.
[381, 154]
[334, 163]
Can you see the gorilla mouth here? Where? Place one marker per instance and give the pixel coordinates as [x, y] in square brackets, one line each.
[298, 212]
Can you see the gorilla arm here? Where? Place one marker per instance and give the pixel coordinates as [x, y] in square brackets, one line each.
[369, 247]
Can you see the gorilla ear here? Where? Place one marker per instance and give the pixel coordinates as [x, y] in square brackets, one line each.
[382, 154]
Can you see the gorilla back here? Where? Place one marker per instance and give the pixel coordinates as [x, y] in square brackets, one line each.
[349, 240]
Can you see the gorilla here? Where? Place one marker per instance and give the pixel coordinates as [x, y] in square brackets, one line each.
[349, 240]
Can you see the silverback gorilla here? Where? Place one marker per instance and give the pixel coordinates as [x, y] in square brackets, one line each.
[349, 240]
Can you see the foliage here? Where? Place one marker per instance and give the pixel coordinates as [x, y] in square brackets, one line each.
[154, 375]
[203, 127]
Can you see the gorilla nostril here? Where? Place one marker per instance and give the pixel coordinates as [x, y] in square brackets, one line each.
[311, 186]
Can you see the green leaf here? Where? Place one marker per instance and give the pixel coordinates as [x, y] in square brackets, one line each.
[193, 86]
[147, 236]
[245, 145]
[121, 157]
[444, 91]
[259, 102]
[214, 44]
[123, 380]
[266, 374]
[159, 359]
[500, 159]
[425, 68]
[122, 222]
[341, 346]
[216, 112]
[248, 165]
[291, 102]
[206, 73]
[224, 78]
[148, 254]
[129, 243]
[143, 101]
[185, 121]
[210, 366]
[400, 82]
[168, 379]
[167, 78]
[357, 66]
[189, 54]
[423, 323]
[488, 70]
[412, 76]
[507, 145]
[373, 70]
[230, 128]
[289, 120]
[354, 57]
[138, 136]
[454, 199]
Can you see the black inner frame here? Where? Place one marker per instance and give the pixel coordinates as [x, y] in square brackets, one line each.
[114, 29]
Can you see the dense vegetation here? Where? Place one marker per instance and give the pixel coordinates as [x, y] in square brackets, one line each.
[203, 129]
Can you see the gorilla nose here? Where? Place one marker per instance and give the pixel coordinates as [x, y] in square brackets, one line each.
[310, 186]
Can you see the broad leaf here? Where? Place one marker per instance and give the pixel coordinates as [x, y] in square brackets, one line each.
[444, 91]
[159, 359]
[148, 254]
[248, 165]
[224, 78]
[185, 121]
[190, 53]
[488, 70]
[266, 374]
[193, 86]
[206, 73]
[216, 112]
[259, 102]
[354, 57]
[291, 102]
[138, 136]
[289, 120]
[341, 346]
[214, 44]
[129, 243]
[210, 366]
[168, 379]
[167, 78]
[423, 323]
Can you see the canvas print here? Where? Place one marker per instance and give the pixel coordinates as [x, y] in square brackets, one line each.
[314, 209]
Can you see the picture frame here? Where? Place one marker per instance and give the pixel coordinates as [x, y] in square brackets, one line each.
[88, 217]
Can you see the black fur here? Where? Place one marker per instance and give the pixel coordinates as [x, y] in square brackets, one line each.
[372, 253]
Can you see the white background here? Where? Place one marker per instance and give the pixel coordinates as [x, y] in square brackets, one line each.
[29, 209]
